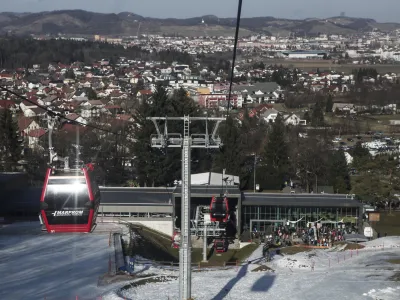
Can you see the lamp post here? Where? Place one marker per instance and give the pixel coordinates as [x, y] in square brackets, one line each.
[316, 180]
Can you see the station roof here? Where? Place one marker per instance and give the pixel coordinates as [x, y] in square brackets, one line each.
[314, 200]
[136, 196]
[210, 190]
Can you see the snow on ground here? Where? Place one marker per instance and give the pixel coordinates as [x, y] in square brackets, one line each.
[337, 275]
[390, 242]
[35, 264]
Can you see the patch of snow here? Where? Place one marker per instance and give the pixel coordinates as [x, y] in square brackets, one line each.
[386, 293]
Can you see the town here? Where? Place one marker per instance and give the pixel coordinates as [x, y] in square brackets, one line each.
[199, 158]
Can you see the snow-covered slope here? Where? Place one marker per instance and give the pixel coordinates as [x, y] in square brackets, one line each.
[337, 274]
[35, 265]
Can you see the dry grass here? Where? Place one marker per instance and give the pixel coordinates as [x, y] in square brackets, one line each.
[263, 268]
[394, 261]
[294, 250]
[350, 246]
[147, 281]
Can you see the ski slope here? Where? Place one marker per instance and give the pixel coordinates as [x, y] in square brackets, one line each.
[337, 274]
[35, 264]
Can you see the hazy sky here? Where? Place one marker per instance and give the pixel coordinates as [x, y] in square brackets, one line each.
[382, 10]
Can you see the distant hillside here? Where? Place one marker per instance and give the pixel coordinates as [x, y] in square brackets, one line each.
[127, 23]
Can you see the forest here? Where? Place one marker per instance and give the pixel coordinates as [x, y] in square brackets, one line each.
[18, 52]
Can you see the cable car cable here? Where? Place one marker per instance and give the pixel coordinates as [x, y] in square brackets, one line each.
[239, 13]
[52, 113]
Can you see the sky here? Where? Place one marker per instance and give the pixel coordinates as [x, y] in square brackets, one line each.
[382, 10]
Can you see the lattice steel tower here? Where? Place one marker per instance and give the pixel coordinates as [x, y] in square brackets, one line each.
[175, 140]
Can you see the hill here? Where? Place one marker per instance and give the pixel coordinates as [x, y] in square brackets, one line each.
[127, 23]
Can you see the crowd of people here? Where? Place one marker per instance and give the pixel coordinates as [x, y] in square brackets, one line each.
[320, 235]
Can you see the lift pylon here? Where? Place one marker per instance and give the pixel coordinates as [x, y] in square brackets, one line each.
[186, 142]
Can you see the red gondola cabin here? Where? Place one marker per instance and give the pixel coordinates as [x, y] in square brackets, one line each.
[221, 246]
[70, 200]
[219, 209]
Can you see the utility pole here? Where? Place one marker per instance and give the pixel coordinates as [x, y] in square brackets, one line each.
[255, 162]
[188, 141]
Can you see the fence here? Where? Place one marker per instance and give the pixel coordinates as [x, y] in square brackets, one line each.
[199, 265]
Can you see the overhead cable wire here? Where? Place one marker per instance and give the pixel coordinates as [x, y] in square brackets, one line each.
[239, 14]
[54, 114]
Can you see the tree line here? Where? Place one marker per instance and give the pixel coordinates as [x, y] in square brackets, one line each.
[17, 52]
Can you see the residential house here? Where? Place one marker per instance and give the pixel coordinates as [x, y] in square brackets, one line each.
[344, 107]
[91, 109]
[8, 104]
[144, 95]
[294, 120]
[35, 136]
[48, 101]
[261, 92]
[34, 112]
[76, 118]
[270, 115]
[25, 125]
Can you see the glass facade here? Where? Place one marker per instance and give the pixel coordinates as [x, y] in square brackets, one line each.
[287, 213]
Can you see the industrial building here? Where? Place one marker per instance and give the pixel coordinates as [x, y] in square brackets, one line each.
[304, 54]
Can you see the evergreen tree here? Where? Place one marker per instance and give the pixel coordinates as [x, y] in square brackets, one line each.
[154, 166]
[232, 156]
[317, 118]
[70, 74]
[91, 94]
[339, 171]
[307, 117]
[11, 148]
[360, 151]
[275, 159]
[361, 156]
[329, 104]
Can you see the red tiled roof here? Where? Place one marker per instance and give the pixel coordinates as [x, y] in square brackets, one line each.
[6, 103]
[72, 128]
[37, 133]
[145, 92]
[23, 123]
[124, 117]
[72, 116]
